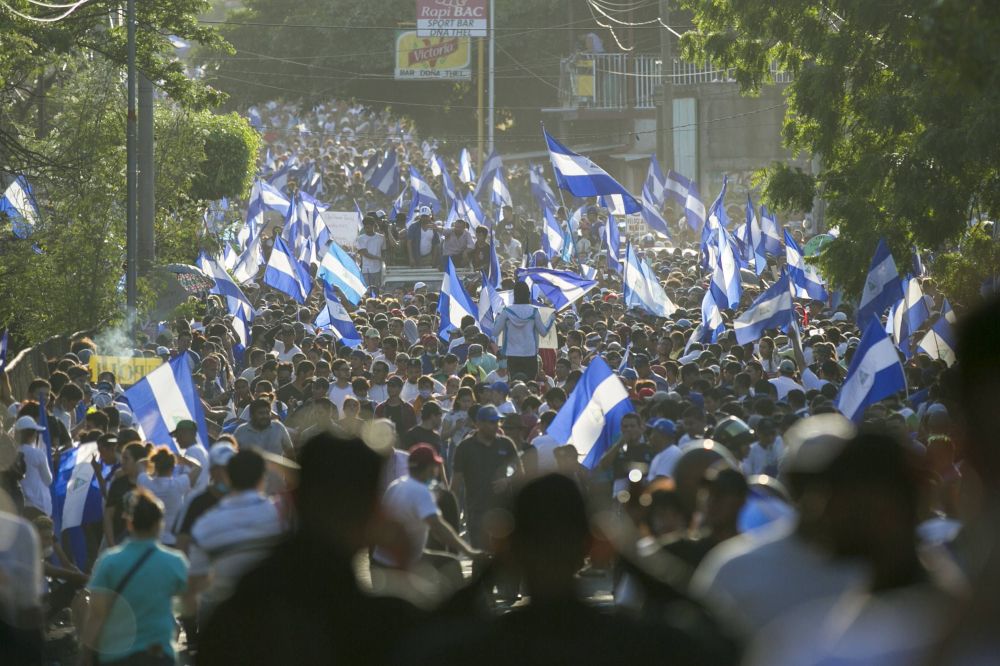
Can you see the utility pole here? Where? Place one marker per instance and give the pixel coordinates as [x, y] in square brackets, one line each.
[480, 144]
[131, 228]
[665, 118]
[491, 28]
[147, 183]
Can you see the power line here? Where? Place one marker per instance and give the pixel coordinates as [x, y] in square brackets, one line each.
[70, 8]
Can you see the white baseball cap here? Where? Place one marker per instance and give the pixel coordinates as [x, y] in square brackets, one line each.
[28, 423]
[220, 454]
[419, 285]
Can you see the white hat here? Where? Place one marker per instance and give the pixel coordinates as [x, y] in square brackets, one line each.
[839, 316]
[419, 285]
[28, 423]
[424, 210]
[220, 454]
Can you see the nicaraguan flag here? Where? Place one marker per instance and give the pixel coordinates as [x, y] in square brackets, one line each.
[592, 416]
[237, 304]
[454, 303]
[422, 192]
[18, 202]
[651, 213]
[491, 304]
[76, 498]
[493, 268]
[771, 231]
[580, 176]
[712, 324]
[334, 318]
[883, 287]
[540, 190]
[370, 168]
[4, 341]
[552, 235]
[612, 242]
[466, 173]
[287, 274]
[656, 183]
[560, 288]
[939, 341]
[725, 286]
[500, 193]
[338, 270]
[806, 282]
[451, 195]
[490, 168]
[753, 240]
[386, 177]
[163, 398]
[909, 314]
[772, 309]
[641, 289]
[875, 373]
[685, 192]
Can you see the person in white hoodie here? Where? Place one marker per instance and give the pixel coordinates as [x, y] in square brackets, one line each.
[522, 325]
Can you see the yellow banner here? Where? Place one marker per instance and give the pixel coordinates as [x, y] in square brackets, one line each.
[128, 370]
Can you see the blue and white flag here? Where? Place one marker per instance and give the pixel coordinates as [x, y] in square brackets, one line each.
[370, 168]
[287, 274]
[423, 195]
[641, 289]
[908, 315]
[386, 177]
[491, 304]
[76, 498]
[712, 324]
[560, 288]
[397, 205]
[454, 303]
[237, 304]
[717, 213]
[334, 318]
[248, 264]
[540, 190]
[588, 272]
[875, 373]
[229, 257]
[656, 183]
[4, 341]
[18, 202]
[883, 288]
[500, 193]
[773, 236]
[918, 264]
[466, 173]
[279, 179]
[493, 165]
[450, 193]
[806, 282]
[579, 175]
[553, 237]
[772, 309]
[338, 270]
[165, 397]
[939, 341]
[263, 197]
[725, 286]
[651, 213]
[611, 236]
[470, 211]
[685, 192]
[493, 267]
[753, 240]
[591, 419]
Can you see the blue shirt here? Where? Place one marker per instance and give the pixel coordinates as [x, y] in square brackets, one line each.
[142, 616]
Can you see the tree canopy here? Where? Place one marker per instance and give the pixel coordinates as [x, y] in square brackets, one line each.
[898, 99]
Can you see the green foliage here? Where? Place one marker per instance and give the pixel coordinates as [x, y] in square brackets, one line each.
[961, 273]
[231, 146]
[901, 103]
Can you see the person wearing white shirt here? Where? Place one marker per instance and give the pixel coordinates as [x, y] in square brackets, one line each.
[371, 246]
[168, 488]
[522, 326]
[662, 437]
[785, 381]
[186, 435]
[766, 452]
[341, 388]
[38, 473]
[285, 346]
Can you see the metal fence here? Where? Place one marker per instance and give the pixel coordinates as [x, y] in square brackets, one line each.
[626, 81]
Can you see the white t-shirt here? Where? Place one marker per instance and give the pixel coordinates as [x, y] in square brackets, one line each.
[198, 452]
[426, 241]
[760, 459]
[784, 385]
[171, 490]
[663, 463]
[37, 478]
[373, 244]
[20, 567]
[337, 395]
[545, 447]
[411, 503]
[285, 356]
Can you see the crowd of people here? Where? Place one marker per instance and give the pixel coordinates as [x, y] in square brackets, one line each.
[402, 501]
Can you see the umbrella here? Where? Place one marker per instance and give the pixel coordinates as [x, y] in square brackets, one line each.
[816, 244]
[191, 278]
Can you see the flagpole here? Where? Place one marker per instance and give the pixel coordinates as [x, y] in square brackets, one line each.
[492, 36]
[479, 106]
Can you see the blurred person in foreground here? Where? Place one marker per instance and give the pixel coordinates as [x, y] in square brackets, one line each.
[303, 604]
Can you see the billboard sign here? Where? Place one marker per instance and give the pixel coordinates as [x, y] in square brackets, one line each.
[431, 58]
[452, 18]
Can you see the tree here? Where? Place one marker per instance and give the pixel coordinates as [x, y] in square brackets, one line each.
[899, 101]
[295, 50]
[65, 277]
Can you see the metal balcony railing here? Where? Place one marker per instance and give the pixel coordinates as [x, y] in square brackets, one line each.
[626, 81]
